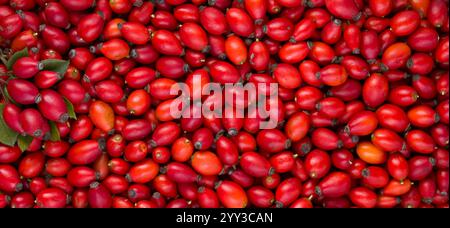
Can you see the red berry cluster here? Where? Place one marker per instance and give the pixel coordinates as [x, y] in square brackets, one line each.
[362, 120]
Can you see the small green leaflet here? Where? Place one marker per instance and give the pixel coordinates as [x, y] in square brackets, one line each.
[24, 142]
[70, 109]
[54, 133]
[15, 57]
[7, 135]
[56, 65]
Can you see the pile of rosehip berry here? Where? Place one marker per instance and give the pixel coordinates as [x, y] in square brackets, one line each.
[363, 100]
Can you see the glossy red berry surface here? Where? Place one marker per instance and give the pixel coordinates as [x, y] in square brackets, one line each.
[224, 103]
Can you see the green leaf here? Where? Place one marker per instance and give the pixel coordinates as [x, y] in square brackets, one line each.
[70, 109]
[7, 135]
[56, 65]
[54, 132]
[24, 142]
[15, 57]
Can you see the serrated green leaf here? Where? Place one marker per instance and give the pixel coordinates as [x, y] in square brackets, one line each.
[56, 65]
[24, 142]
[70, 109]
[54, 132]
[7, 135]
[15, 57]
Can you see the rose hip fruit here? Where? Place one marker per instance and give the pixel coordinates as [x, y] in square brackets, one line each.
[335, 184]
[52, 106]
[22, 91]
[51, 198]
[102, 115]
[231, 195]
[32, 122]
[102, 103]
[98, 196]
[84, 152]
[27, 67]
